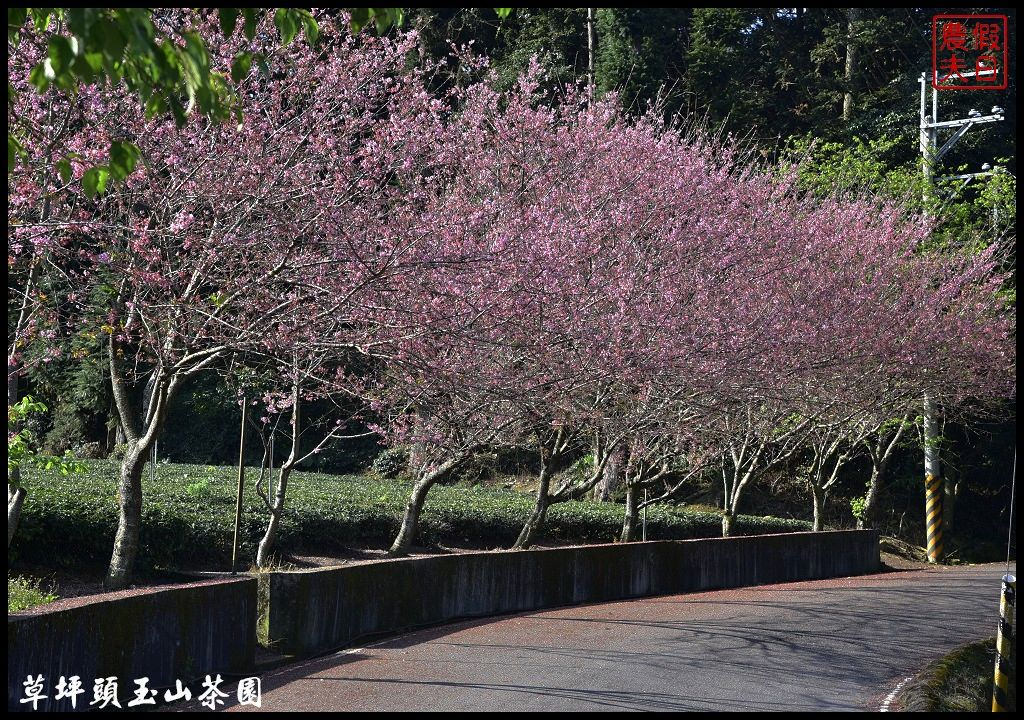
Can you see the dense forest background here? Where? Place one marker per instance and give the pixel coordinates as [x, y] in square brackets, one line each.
[834, 89]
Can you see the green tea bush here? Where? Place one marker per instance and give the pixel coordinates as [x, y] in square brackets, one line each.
[188, 516]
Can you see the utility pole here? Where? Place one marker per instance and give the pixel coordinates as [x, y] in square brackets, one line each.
[937, 492]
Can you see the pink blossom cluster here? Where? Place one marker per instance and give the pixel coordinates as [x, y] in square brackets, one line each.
[480, 267]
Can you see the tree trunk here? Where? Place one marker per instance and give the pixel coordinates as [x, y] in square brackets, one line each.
[15, 499]
[950, 492]
[416, 448]
[869, 513]
[533, 525]
[528, 534]
[629, 522]
[728, 520]
[819, 507]
[611, 476]
[590, 55]
[427, 479]
[853, 16]
[15, 492]
[114, 431]
[410, 521]
[266, 546]
[126, 542]
[141, 433]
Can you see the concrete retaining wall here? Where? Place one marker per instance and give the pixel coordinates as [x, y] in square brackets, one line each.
[165, 634]
[314, 611]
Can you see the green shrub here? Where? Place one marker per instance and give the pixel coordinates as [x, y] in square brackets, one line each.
[23, 593]
[68, 431]
[391, 462]
[198, 488]
[118, 452]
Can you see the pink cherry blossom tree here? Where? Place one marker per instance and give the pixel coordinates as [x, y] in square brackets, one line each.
[602, 270]
[487, 269]
[226, 234]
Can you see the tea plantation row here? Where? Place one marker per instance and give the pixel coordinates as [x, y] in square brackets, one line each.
[188, 517]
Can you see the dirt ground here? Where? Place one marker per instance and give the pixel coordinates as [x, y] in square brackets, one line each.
[900, 555]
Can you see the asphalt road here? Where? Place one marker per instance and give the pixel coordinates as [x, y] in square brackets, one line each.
[840, 644]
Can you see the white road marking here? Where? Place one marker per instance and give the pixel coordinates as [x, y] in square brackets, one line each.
[892, 696]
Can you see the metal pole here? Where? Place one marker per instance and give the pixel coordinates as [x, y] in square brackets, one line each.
[645, 515]
[238, 500]
[1004, 690]
[923, 134]
[1013, 492]
[931, 154]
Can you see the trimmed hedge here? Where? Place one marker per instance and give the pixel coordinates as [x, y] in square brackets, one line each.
[188, 516]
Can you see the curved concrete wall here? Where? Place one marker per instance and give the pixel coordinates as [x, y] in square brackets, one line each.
[165, 634]
[314, 611]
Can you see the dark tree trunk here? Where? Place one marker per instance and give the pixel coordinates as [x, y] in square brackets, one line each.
[528, 535]
[531, 529]
[266, 546]
[853, 16]
[728, 520]
[950, 493]
[410, 521]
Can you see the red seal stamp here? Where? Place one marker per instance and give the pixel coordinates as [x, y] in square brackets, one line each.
[969, 52]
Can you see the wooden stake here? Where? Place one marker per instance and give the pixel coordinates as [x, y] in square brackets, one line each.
[241, 481]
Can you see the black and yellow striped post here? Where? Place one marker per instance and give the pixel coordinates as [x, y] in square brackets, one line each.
[1004, 690]
[933, 516]
[933, 484]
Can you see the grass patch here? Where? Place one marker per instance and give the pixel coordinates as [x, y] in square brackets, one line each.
[188, 516]
[959, 682]
[23, 593]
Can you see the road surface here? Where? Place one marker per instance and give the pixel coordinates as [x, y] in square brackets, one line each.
[839, 644]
